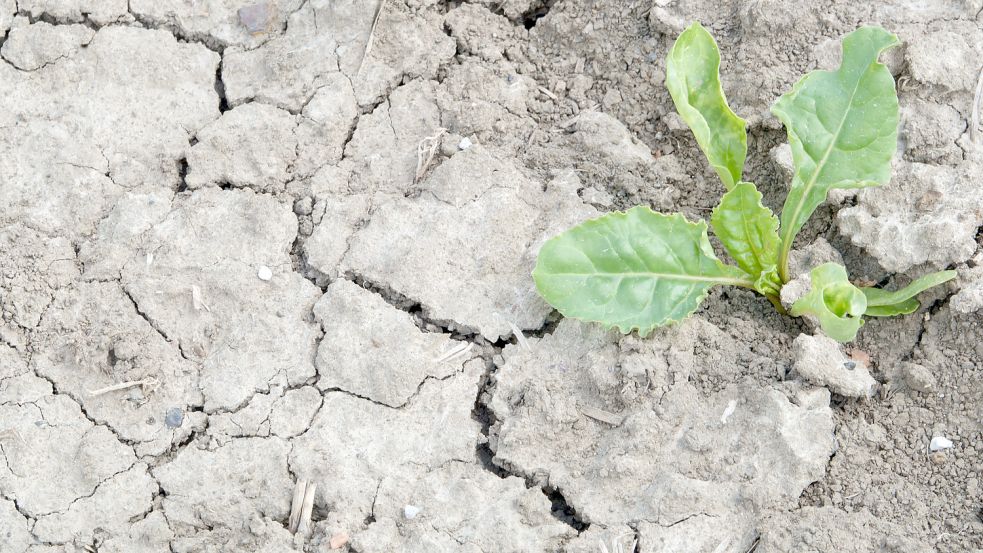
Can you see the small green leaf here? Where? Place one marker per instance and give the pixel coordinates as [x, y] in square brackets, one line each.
[901, 308]
[748, 229]
[843, 129]
[693, 80]
[837, 304]
[768, 283]
[879, 297]
[632, 270]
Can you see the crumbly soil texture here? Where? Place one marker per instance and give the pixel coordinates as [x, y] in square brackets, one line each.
[265, 285]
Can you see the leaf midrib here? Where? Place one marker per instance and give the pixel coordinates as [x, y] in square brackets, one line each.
[667, 276]
[787, 232]
[758, 256]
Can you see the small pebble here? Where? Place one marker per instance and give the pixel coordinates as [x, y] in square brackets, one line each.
[338, 540]
[940, 443]
[174, 417]
[938, 458]
[919, 378]
[304, 206]
[728, 411]
[264, 273]
[410, 511]
[256, 18]
[464, 144]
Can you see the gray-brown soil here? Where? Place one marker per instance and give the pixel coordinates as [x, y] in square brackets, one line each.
[246, 245]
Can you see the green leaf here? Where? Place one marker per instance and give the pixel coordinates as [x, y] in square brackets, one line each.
[837, 304]
[901, 308]
[843, 129]
[768, 283]
[632, 270]
[693, 80]
[879, 297]
[748, 229]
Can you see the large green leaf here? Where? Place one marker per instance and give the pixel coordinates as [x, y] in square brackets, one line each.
[882, 303]
[749, 231]
[632, 270]
[842, 126]
[837, 304]
[693, 80]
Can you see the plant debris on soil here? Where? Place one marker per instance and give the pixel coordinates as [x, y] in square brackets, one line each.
[265, 285]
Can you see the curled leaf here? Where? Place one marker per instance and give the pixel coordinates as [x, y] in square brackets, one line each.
[882, 303]
[693, 80]
[842, 127]
[768, 283]
[633, 270]
[900, 308]
[838, 305]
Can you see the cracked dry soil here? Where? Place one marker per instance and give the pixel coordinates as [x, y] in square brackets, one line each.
[246, 244]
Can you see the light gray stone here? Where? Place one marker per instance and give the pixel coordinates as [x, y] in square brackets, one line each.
[918, 378]
[819, 360]
[927, 214]
[970, 295]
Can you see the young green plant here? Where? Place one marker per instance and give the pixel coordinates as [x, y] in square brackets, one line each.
[639, 269]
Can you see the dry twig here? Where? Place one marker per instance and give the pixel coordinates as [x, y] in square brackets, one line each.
[148, 385]
[368, 43]
[460, 349]
[974, 129]
[601, 415]
[301, 507]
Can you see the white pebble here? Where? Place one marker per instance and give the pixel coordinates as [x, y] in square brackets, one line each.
[940, 442]
[464, 144]
[728, 411]
[410, 511]
[264, 273]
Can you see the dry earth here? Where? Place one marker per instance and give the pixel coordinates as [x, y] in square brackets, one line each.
[244, 246]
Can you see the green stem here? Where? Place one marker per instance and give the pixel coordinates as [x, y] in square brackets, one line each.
[777, 303]
[783, 260]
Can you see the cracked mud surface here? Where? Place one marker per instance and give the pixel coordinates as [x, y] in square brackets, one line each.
[246, 244]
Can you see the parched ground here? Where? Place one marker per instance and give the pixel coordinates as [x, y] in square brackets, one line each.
[264, 280]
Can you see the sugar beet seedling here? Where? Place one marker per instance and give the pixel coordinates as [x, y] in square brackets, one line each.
[637, 270]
